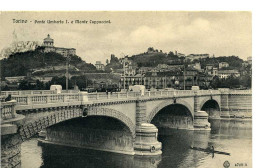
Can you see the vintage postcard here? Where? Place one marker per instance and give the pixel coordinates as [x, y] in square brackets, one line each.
[166, 89]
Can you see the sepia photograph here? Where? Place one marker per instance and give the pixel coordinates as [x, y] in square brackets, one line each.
[126, 89]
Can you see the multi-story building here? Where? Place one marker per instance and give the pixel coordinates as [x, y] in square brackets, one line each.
[197, 56]
[14, 79]
[214, 72]
[99, 66]
[143, 70]
[129, 67]
[223, 65]
[43, 79]
[226, 73]
[48, 46]
[160, 80]
[162, 66]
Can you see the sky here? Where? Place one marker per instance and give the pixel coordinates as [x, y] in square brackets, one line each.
[218, 33]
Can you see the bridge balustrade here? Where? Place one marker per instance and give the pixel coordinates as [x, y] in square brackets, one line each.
[48, 98]
[7, 110]
[208, 92]
[72, 97]
[35, 92]
[240, 91]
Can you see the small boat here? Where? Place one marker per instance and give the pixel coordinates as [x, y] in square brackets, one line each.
[209, 150]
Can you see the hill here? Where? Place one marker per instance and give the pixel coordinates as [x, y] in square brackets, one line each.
[19, 64]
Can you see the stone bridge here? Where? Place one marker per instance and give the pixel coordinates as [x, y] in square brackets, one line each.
[33, 111]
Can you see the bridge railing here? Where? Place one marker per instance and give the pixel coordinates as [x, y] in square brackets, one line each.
[34, 92]
[7, 110]
[77, 97]
[208, 92]
[48, 98]
[240, 91]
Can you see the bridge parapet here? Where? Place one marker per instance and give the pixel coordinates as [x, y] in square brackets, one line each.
[34, 92]
[38, 99]
[48, 98]
[8, 110]
[242, 92]
[208, 92]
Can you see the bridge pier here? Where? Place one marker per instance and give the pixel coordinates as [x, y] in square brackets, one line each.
[146, 143]
[200, 121]
[10, 139]
[224, 103]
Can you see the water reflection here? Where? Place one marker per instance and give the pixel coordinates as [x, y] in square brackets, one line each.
[57, 156]
[234, 137]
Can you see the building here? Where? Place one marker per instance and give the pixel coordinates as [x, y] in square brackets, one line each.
[129, 67]
[143, 70]
[197, 56]
[227, 73]
[160, 80]
[162, 66]
[223, 65]
[249, 60]
[214, 72]
[196, 66]
[100, 66]
[43, 79]
[48, 46]
[14, 79]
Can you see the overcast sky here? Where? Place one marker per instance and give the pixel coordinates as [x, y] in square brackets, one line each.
[218, 33]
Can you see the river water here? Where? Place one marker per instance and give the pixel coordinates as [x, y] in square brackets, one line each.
[232, 136]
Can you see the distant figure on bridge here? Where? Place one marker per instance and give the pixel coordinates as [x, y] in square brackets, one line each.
[8, 98]
[106, 92]
[212, 151]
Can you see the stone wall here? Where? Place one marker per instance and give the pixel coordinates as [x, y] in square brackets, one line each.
[240, 105]
[11, 151]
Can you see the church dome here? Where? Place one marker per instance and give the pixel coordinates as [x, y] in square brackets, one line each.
[48, 39]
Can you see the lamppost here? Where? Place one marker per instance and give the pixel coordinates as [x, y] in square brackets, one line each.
[67, 72]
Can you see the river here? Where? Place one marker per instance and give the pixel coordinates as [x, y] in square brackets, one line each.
[232, 136]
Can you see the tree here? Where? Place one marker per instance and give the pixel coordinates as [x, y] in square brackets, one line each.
[150, 49]
[215, 83]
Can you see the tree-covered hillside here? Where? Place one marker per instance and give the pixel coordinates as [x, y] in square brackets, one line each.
[19, 64]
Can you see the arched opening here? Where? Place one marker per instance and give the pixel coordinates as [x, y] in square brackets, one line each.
[173, 116]
[212, 108]
[92, 132]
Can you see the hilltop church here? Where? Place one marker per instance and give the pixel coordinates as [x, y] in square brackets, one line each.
[49, 47]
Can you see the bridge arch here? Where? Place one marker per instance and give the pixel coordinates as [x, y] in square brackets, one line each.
[97, 111]
[206, 99]
[167, 103]
[59, 114]
[66, 113]
[211, 106]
